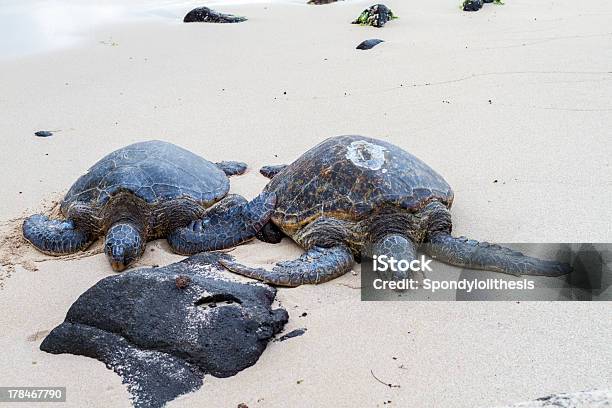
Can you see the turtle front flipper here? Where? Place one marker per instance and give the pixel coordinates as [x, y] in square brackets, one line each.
[482, 255]
[224, 229]
[272, 170]
[54, 237]
[232, 168]
[317, 265]
[225, 204]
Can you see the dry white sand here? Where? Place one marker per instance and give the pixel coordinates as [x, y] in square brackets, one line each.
[519, 93]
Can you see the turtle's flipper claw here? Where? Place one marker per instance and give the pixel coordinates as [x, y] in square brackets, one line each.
[224, 229]
[317, 265]
[54, 237]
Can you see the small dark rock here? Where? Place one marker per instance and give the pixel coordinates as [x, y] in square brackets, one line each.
[206, 15]
[375, 16]
[43, 133]
[232, 168]
[292, 334]
[321, 1]
[367, 44]
[270, 170]
[162, 341]
[472, 5]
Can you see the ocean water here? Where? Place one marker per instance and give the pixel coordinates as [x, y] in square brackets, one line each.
[33, 26]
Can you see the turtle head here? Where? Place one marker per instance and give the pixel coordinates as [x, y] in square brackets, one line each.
[123, 245]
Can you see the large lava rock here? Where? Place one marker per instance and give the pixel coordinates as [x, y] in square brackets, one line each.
[206, 15]
[162, 329]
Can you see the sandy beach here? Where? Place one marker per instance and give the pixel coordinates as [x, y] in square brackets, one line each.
[511, 104]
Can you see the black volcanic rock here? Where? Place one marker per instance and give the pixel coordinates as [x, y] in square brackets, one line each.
[163, 329]
[367, 44]
[206, 15]
[472, 5]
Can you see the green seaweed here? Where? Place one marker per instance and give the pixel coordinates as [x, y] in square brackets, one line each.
[363, 18]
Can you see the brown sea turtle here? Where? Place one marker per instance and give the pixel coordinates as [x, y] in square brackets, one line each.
[146, 191]
[354, 195]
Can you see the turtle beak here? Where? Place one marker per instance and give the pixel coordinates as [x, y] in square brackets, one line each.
[116, 256]
[117, 266]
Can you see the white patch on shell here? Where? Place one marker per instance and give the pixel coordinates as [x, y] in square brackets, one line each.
[365, 154]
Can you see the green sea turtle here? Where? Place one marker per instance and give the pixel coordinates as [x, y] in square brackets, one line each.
[354, 195]
[146, 191]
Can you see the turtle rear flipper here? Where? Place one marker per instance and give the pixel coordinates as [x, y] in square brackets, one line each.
[317, 265]
[482, 255]
[224, 229]
[232, 168]
[272, 170]
[54, 237]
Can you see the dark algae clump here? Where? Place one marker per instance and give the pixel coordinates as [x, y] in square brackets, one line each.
[376, 16]
[157, 329]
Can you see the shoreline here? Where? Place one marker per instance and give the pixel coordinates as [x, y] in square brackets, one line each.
[39, 34]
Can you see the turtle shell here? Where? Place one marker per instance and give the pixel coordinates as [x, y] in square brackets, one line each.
[349, 177]
[153, 171]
